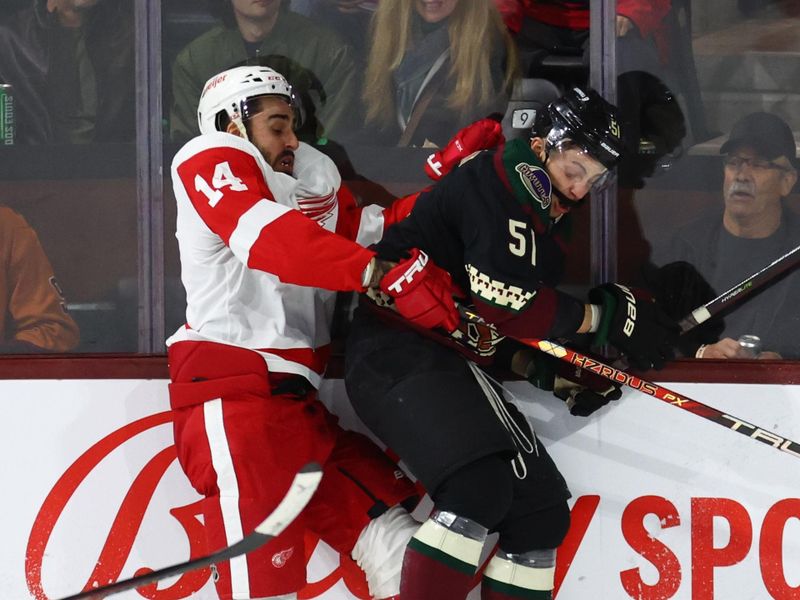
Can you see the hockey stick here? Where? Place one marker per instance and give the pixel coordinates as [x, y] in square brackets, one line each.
[778, 266]
[673, 398]
[300, 492]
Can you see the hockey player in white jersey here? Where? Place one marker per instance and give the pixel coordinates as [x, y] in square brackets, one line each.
[267, 234]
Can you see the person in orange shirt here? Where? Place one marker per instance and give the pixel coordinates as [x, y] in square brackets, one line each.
[34, 313]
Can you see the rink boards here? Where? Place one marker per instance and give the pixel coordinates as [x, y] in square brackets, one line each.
[665, 504]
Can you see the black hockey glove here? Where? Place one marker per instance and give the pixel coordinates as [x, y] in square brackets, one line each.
[679, 289]
[633, 323]
[583, 391]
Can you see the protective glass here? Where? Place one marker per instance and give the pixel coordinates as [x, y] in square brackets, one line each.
[659, 162]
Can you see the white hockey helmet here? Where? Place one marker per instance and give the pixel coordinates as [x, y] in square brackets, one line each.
[231, 90]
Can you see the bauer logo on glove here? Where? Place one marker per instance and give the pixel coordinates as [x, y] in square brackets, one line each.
[634, 324]
[630, 321]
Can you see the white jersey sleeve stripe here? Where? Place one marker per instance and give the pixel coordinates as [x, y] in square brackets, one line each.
[250, 225]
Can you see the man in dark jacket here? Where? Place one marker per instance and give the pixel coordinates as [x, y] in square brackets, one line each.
[754, 228]
[71, 67]
[319, 65]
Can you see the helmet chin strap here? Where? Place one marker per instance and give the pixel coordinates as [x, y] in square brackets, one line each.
[236, 119]
[564, 201]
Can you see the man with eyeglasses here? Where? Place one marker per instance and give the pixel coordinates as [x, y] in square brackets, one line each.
[753, 228]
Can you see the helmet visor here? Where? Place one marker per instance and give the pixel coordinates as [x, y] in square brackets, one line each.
[252, 106]
[575, 170]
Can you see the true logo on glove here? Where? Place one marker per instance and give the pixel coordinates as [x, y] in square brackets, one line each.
[435, 165]
[408, 276]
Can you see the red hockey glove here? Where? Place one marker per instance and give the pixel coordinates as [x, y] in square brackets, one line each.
[422, 292]
[480, 135]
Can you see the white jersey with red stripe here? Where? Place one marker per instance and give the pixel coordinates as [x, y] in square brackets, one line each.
[262, 253]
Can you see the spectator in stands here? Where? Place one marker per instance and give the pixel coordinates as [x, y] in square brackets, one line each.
[562, 27]
[33, 315]
[351, 18]
[71, 67]
[348, 18]
[754, 228]
[435, 67]
[315, 60]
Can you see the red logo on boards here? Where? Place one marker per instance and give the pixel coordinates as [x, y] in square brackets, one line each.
[765, 540]
[117, 547]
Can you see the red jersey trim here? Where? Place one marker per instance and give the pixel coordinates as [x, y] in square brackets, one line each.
[534, 321]
[300, 252]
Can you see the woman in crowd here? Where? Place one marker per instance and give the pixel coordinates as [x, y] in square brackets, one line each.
[434, 67]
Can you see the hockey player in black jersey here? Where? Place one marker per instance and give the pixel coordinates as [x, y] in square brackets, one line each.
[494, 230]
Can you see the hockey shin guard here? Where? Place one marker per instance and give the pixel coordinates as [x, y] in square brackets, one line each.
[442, 558]
[512, 576]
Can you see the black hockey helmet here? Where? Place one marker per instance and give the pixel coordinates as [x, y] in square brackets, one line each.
[585, 118]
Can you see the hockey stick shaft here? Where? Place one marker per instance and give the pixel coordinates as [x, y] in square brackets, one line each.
[652, 389]
[300, 492]
[777, 267]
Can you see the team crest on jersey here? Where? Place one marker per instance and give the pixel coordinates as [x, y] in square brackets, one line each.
[279, 559]
[536, 182]
[318, 208]
[481, 338]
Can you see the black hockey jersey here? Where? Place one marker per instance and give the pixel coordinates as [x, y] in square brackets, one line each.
[487, 223]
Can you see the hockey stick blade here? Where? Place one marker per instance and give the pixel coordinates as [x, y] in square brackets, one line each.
[744, 288]
[300, 492]
[652, 389]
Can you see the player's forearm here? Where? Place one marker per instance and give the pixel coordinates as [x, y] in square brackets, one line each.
[591, 318]
[399, 209]
[550, 314]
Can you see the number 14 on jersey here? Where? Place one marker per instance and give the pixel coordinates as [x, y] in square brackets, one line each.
[223, 177]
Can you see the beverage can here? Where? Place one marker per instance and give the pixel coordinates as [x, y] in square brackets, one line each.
[751, 344]
[7, 115]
